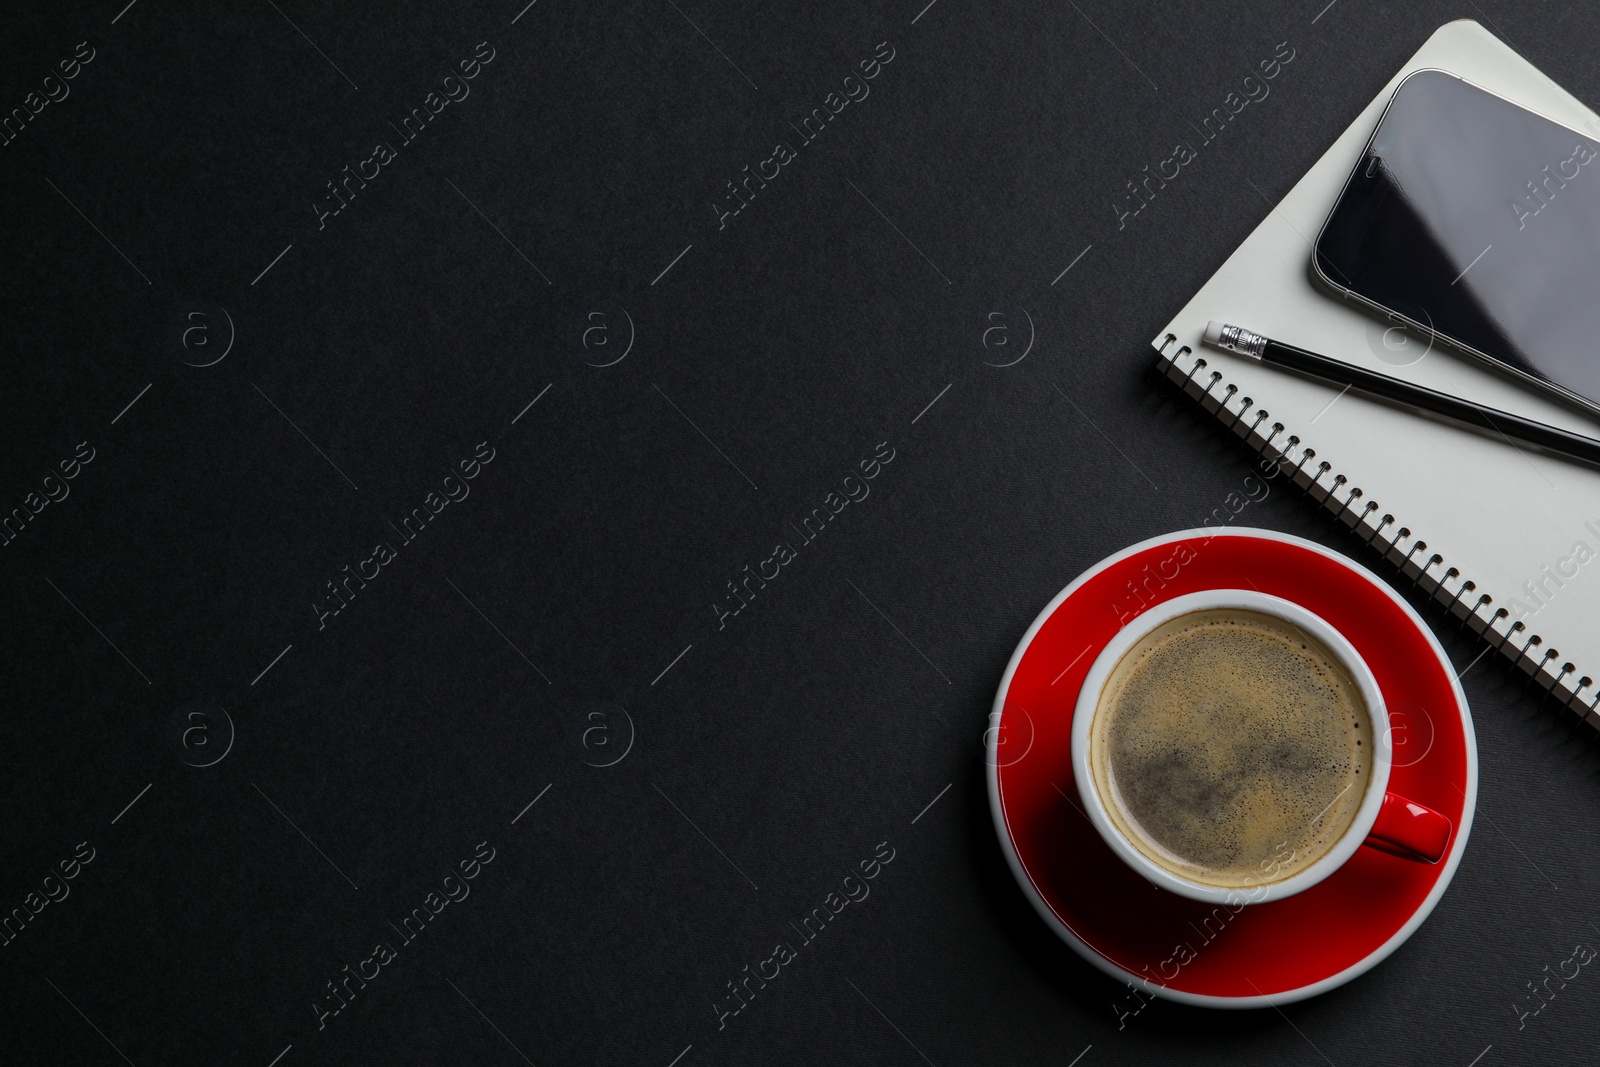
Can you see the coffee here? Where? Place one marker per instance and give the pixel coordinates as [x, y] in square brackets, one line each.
[1231, 747]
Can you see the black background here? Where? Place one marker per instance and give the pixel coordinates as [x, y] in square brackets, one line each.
[779, 750]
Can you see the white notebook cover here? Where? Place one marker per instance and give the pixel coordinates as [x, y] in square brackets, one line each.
[1469, 517]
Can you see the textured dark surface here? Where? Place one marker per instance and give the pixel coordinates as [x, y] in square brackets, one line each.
[507, 649]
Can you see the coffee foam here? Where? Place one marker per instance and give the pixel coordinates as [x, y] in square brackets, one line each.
[1231, 748]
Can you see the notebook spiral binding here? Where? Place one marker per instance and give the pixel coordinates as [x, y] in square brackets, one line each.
[1380, 529]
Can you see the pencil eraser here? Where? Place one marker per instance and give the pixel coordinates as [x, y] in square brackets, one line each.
[1213, 333]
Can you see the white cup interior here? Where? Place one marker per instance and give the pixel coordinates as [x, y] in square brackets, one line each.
[1248, 600]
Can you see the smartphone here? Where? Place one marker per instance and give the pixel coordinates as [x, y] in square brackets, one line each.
[1477, 222]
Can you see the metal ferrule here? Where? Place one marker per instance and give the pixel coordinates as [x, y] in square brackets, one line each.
[1237, 339]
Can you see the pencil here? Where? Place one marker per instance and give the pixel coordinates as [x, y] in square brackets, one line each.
[1503, 424]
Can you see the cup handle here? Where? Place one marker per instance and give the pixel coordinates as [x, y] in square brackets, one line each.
[1409, 830]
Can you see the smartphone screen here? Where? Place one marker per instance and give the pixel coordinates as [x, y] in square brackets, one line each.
[1479, 221]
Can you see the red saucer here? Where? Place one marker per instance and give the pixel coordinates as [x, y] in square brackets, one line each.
[1183, 949]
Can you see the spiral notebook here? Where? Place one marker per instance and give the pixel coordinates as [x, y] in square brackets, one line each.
[1507, 538]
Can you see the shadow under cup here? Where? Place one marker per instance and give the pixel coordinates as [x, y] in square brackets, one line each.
[1234, 747]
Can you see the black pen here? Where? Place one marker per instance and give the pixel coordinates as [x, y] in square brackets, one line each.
[1238, 340]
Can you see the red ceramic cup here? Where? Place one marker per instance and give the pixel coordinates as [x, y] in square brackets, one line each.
[1384, 820]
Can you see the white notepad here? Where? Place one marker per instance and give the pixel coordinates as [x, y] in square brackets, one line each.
[1490, 529]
